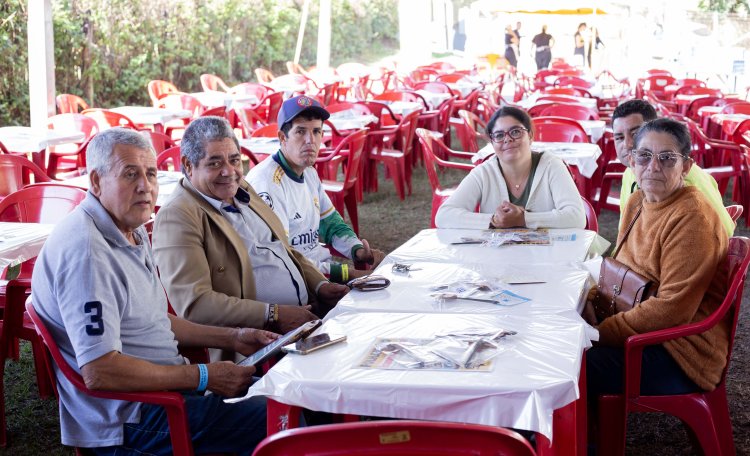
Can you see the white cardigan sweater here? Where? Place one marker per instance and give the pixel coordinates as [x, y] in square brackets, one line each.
[554, 201]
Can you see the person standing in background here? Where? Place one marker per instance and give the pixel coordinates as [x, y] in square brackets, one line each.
[580, 45]
[542, 44]
[511, 46]
[517, 31]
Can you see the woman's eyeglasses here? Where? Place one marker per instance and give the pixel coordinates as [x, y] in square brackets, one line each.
[666, 159]
[514, 133]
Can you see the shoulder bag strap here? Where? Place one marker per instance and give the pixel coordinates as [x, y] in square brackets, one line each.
[627, 232]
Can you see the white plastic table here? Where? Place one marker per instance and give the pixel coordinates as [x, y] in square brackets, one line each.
[21, 241]
[146, 115]
[581, 155]
[24, 140]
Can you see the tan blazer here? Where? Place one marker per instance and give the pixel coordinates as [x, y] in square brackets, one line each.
[204, 265]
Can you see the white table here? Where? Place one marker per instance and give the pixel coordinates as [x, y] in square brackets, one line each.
[260, 146]
[417, 290]
[581, 155]
[434, 99]
[348, 120]
[146, 115]
[214, 99]
[568, 246]
[594, 129]
[465, 87]
[403, 108]
[21, 241]
[26, 139]
[168, 182]
[536, 372]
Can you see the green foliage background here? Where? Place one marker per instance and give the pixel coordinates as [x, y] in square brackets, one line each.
[107, 50]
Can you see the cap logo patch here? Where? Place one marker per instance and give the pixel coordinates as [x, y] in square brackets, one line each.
[304, 102]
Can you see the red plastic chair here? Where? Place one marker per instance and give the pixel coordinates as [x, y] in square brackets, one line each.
[251, 88]
[735, 211]
[721, 159]
[343, 193]
[591, 221]
[435, 157]
[402, 95]
[211, 82]
[70, 157]
[68, 103]
[395, 153]
[265, 112]
[433, 86]
[657, 84]
[107, 119]
[552, 90]
[695, 105]
[699, 90]
[171, 155]
[571, 111]
[470, 130]
[736, 108]
[159, 141]
[184, 101]
[218, 111]
[381, 438]
[574, 81]
[16, 172]
[705, 413]
[173, 403]
[688, 82]
[558, 129]
[157, 89]
[266, 131]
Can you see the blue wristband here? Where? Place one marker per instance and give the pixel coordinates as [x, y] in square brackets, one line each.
[203, 383]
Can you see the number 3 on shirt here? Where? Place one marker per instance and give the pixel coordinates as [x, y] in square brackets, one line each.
[95, 309]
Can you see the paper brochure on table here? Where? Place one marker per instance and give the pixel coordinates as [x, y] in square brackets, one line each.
[490, 290]
[515, 236]
[466, 351]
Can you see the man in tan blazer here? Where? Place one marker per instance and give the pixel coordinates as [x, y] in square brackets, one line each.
[222, 253]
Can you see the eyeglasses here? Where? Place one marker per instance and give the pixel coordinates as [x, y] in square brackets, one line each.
[514, 133]
[666, 159]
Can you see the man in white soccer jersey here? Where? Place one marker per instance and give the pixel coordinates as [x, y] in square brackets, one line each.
[289, 184]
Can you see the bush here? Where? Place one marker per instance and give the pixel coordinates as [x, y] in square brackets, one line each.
[108, 54]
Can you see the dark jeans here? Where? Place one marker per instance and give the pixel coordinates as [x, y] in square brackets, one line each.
[660, 374]
[215, 427]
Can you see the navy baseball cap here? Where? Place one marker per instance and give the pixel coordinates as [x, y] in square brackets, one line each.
[295, 106]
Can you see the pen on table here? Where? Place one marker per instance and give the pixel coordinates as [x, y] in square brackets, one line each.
[466, 242]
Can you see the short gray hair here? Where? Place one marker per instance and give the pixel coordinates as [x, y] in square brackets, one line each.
[199, 132]
[102, 146]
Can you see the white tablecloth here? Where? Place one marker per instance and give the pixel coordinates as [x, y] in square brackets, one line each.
[21, 241]
[434, 245]
[433, 99]
[145, 115]
[260, 145]
[535, 372]
[168, 182]
[214, 99]
[347, 120]
[581, 155]
[531, 100]
[27, 139]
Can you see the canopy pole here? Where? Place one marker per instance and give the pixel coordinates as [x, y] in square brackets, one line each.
[301, 33]
[41, 62]
[324, 35]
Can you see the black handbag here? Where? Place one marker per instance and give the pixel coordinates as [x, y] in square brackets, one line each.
[620, 288]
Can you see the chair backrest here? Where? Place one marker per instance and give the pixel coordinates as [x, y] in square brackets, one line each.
[472, 129]
[211, 82]
[16, 172]
[423, 74]
[575, 81]
[274, 101]
[40, 204]
[695, 105]
[107, 119]
[571, 111]
[72, 122]
[267, 131]
[558, 129]
[355, 143]
[251, 88]
[591, 221]
[218, 111]
[179, 101]
[402, 95]
[658, 72]
[405, 135]
[552, 90]
[736, 108]
[657, 83]
[738, 259]
[451, 77]
[68, 103]
[328, 93]
[171, 155]
[698, 90]
[433, 86]
[158, 88]
[735, 211]
[263, 75]
[159, 141]
[381, 438]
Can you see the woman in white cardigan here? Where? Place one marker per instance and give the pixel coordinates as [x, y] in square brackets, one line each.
[517, 187]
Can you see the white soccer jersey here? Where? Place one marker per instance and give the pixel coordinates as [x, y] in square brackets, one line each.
[300, 203]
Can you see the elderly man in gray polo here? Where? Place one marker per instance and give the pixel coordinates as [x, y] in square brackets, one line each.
[222, 253]
[96, 288]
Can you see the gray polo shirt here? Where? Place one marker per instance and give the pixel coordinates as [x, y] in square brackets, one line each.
[97, 293]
